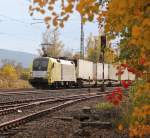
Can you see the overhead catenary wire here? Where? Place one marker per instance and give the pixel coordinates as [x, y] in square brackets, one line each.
[27, 24]
[13, 19]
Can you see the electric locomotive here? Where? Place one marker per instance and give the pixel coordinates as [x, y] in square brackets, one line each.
[51, 72]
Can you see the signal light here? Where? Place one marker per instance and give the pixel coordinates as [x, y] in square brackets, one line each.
[103, 41]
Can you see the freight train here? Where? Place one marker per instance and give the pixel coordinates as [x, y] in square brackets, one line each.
[54, 73]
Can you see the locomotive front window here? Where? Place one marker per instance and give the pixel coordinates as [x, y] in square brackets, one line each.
[40, 64]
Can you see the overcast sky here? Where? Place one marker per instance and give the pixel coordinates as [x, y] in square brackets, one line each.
[17, 33]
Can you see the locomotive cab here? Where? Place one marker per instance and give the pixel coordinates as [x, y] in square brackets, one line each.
[39, 73]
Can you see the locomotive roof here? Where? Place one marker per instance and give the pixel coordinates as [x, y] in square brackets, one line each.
[61, 61]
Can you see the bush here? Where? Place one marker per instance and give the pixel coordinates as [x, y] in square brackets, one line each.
[11, 77]
[104, 105]
[25, 75]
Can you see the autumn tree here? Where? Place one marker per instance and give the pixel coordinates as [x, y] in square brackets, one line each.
[51, 45]
[58, 16]
[13, 75]
[18, 66]
[131, 21]
[9, 72]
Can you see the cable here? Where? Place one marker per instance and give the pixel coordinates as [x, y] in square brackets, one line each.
[27, 24]
[13, 19]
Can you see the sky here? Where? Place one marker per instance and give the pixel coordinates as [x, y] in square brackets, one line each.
[17, 31]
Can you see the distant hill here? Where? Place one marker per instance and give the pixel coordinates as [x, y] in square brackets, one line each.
[20, 57]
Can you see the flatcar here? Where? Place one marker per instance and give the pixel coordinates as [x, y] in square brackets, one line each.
[54, 73]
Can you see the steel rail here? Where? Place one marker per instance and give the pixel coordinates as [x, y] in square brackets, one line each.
[8, 92]
[46, 101]
[10, 106]
[25, 119]
[23, 101]
[28, 100]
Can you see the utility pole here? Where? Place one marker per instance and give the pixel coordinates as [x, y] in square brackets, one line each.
[82, 41]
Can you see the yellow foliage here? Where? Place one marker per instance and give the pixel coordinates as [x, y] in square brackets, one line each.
[136, 31]
[47, 19]
[10, 77]
[66, 18]
[50, 8]
[132, 20]
[37, 8]
[88, 9]
[141, 111]
[55, 22]
[146, 22]
[40, 2]
[68, 8]
[110, 56]
[120, 127]
[9, 72]
[139, 130]
[42, 11]
[61, 24]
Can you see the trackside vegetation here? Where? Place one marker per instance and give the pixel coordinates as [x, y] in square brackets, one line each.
[12, 76]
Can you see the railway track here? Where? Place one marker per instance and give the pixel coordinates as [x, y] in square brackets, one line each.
[13, 103]
[7, 98]
[7, 92]
[68, 101]
[14, 99]
[38, 102]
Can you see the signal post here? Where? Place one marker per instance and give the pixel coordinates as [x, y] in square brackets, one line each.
[102, 55]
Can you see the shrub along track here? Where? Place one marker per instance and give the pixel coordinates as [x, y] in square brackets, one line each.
[68, 101]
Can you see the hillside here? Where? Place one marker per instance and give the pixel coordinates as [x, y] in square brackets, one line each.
[20, 57]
